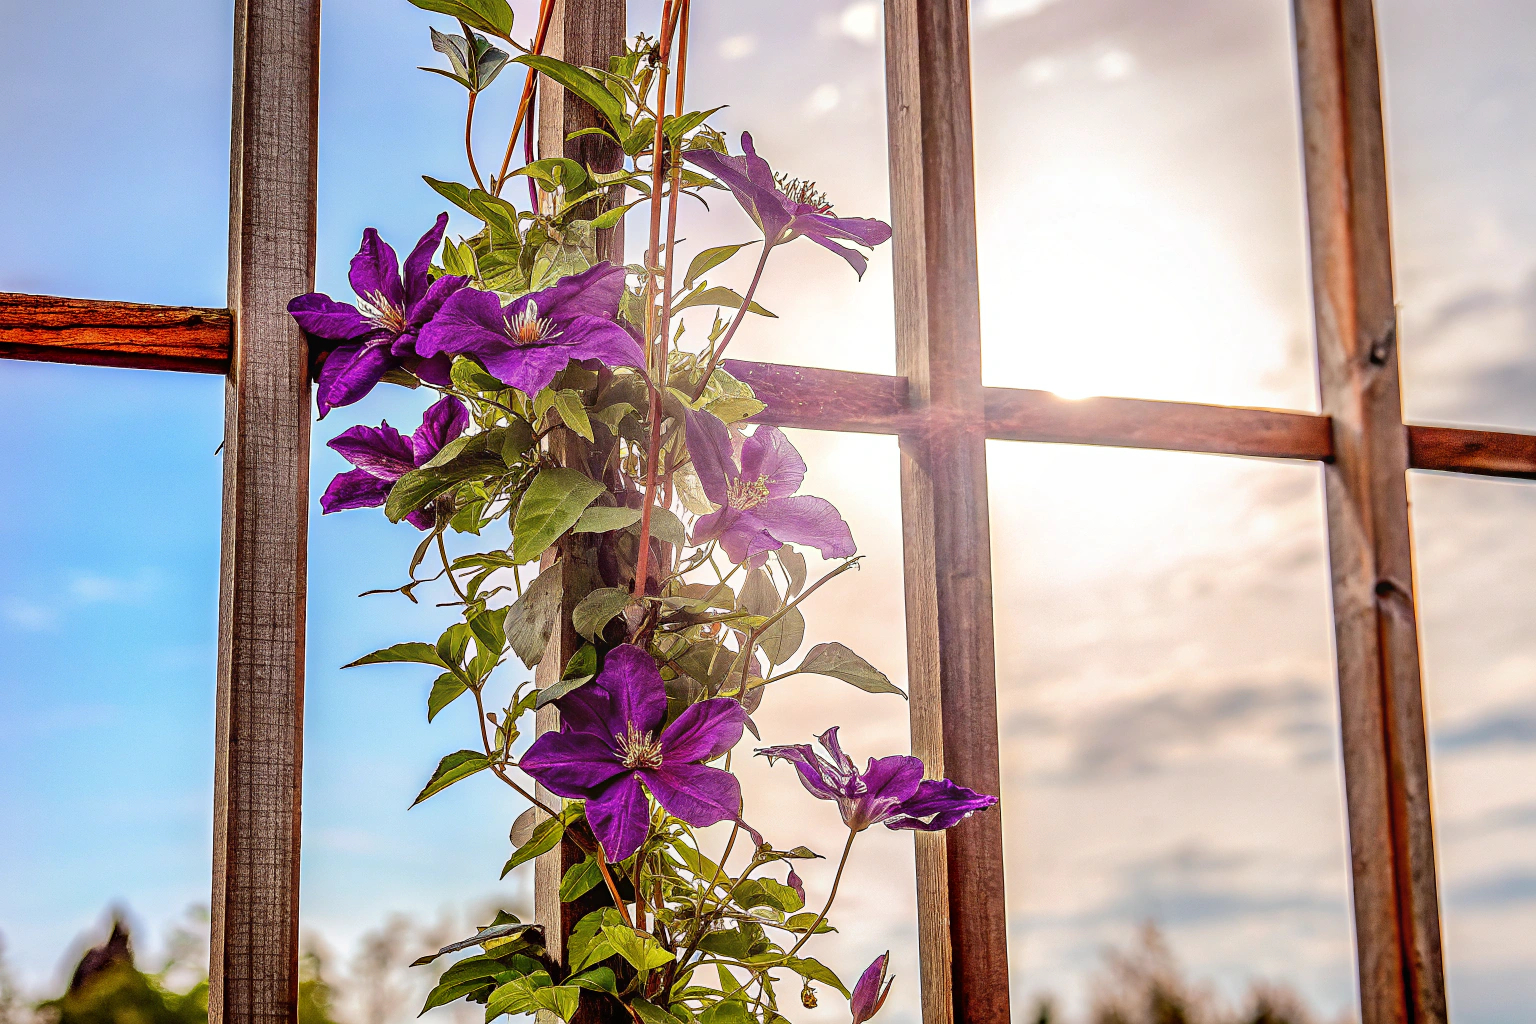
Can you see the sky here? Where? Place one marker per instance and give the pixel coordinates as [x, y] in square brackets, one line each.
[1168, 726]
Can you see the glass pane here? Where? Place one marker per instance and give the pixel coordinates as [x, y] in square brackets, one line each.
[114, 184]
[1169, 727]
[1140, 211]
[1475, 562]
[1461, 128]
[381, 884]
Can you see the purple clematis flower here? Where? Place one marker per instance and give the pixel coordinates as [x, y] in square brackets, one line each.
[532, 338]
[611, 741]
[379, 334]
[759, 510]
[891, 791]
[383, 455]
[870, 992]
[786, 208]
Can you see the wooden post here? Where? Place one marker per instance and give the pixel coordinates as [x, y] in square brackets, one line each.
[584, 32]
[1386, 768]
[259, 745]
[962, 918]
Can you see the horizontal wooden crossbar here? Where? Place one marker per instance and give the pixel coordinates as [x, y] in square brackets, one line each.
[126, 334]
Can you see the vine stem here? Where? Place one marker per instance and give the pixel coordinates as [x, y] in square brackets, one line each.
[656, 333]
[752, 638]
[469, 146]
[741, 314]
[836, 881]
[546, 14]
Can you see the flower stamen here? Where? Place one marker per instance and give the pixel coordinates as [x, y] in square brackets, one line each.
[806, 192]
[381, 311]
[639, 749]
[528, 328]
[743, 494]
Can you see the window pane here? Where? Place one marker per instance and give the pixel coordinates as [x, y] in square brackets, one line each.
[1168, 723]
[1475, 561]
[114, 184]
[1462, 139]
[1139, 200]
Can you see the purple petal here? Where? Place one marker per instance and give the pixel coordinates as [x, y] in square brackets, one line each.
[745, 538]
[590, 337]
[420, 261]
[357, 488]
[758, 170]
[803, 519]
[627, 692]
[323, 317]
[436, 294]
[437, 370]
[573, 765]
[750, 180]
[709, 445]
[528, 368]
[870, 992]
[350, 372]
[939, 804]
[620, 817]
[695, 793]
[593, 292]
[375, 273]
[865, 231]
[470, 321]
[795, 882]
[834, 746]
[381, 450]
[443, 422]
[704, 731]
[423, 518]
[768, 456]
[855, 259]
[880, 789]
[815, 774]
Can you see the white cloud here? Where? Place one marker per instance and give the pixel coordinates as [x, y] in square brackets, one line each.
[27, 616]
[1114, 65]
[93, 589]
[737, 47]
[861, 22]
[823, 99]
[1040, 71]
[1007, 10]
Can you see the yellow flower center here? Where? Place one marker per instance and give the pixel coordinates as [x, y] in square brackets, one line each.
[639, 749]
[744, 494]
[528, 328]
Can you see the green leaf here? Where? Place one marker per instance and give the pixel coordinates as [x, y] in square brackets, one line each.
[665, 526]
[447, 689]
[719, 296]
[709, 259]
[610, 218]
[765, 892]
[572, 413]
[801, 922]
[587, 944]
[602, 519]
[641, 950]
[532, 617]
[839, 662]
[490, 635]
[815, 970]
[485, 15]
[597, 609]
[581, 879]
[758, 595]
[653, 1014]
[781, 640]
[731, 1011]
[413, 491]
[598, 979]
[553, 503]
[546, 836]
[420, 653]
[794, 565]
[480, 938]
[579, 671]
[581, 83]
[460, 764]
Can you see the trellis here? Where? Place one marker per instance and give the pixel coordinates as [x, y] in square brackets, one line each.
[942, 415]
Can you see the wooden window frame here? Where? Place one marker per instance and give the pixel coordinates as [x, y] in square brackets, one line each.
[942, 414]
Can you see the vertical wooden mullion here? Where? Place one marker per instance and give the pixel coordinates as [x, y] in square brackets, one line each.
[1397, 922]
[947, 551]
[253, 969]
[583, 32]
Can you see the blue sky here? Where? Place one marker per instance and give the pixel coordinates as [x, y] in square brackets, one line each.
[1164, 648]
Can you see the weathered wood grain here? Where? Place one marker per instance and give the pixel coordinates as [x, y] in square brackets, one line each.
[1386, 770]
[584, 32]
[962, 916]
[50, 329]
[259, 745]
[1478, 452]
